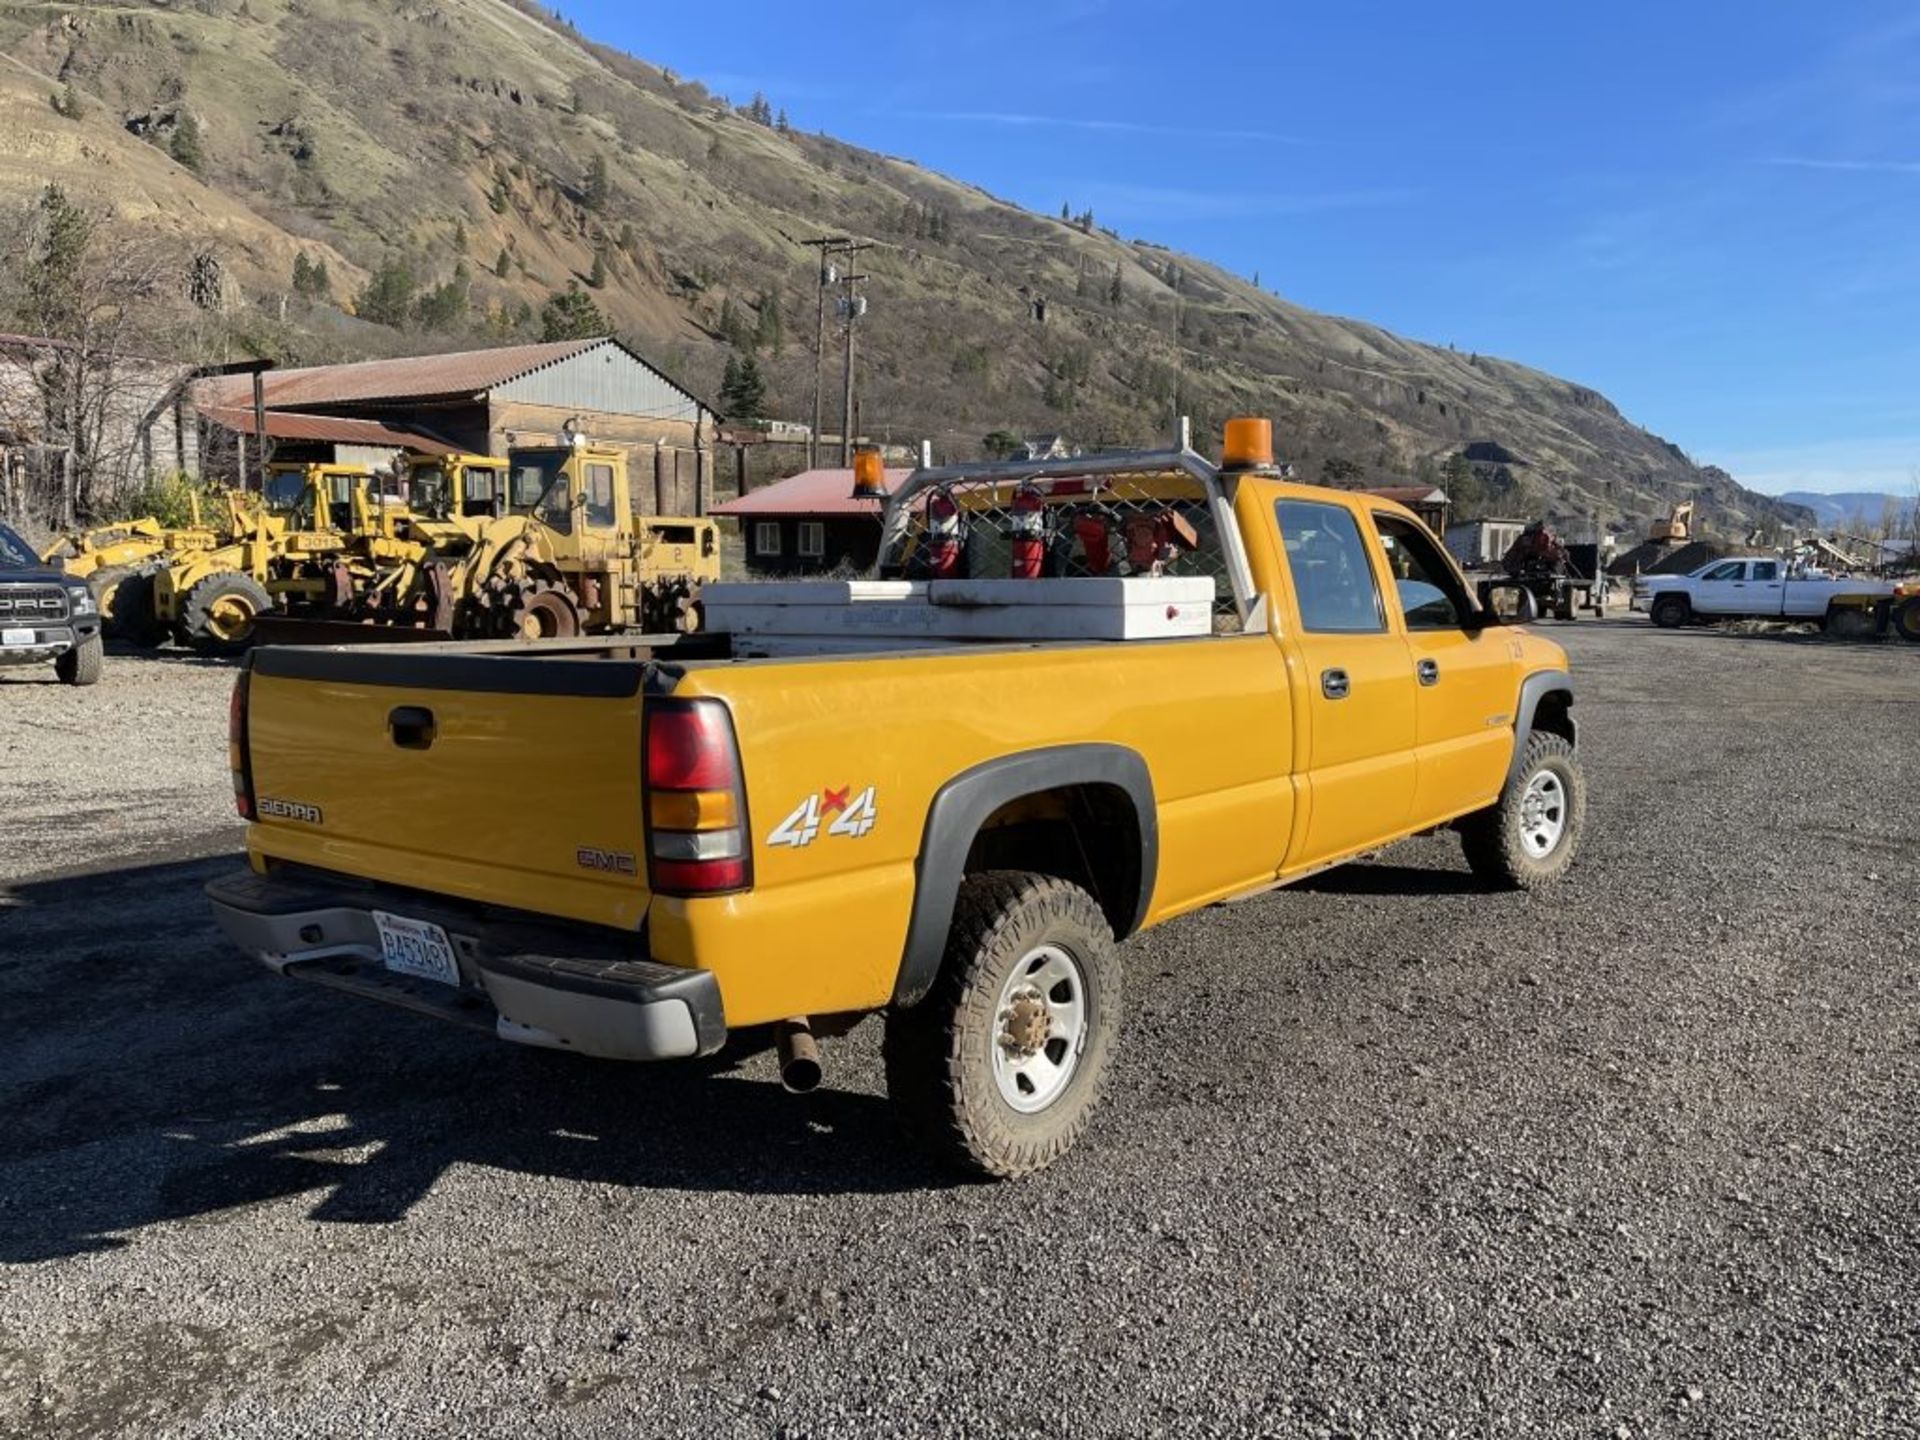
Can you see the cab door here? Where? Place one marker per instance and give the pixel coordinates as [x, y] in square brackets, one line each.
[1465, 683]
[1359, 686]
[1721, 590]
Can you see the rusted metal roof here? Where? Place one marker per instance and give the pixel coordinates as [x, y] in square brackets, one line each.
[420, 377]
[811, 492]
[333, 429]
[1409, 495]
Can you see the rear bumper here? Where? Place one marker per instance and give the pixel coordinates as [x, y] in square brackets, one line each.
[533, 982]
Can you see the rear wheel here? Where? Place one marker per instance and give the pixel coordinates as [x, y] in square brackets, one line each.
[132, 608]
[1849, 622]
[1906, 619]
[999, 1069]
[1670, 612]
[1528, 837]
[219, 612]
[82, 664]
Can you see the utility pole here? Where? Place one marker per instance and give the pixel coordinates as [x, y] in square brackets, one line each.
[829, 246]
[853, 303]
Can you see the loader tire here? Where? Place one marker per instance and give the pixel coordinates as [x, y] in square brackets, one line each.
[1848, 622]
[1670, 612]
[81, 665]
[130, 610]
[1527, 838]
[219, 612]
[998, 1070]
[1906, 619]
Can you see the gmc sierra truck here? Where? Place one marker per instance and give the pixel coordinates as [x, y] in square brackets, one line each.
[1081, 698]
[46, 617]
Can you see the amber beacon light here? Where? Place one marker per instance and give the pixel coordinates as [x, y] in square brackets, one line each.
[869, 476]
[1249, 444]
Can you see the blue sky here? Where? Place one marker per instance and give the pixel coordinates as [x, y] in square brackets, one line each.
[1710, 212]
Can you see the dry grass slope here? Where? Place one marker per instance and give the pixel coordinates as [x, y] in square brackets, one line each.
[358, 130]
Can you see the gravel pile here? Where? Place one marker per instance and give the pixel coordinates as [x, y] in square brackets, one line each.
[1384, 1155]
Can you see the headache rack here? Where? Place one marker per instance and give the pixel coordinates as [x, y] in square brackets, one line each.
[1113, 515]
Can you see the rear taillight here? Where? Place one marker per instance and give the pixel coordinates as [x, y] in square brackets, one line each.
[696, 806]
[237, 760]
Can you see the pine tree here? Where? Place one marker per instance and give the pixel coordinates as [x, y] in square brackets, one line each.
[783, 125]
[1065, 213]
[460, 237]
[302, 274]
[503, 267]
[570, 314]
[743, 393]
[322, 282]
[598, 278]
[599, 186]
[627, 239]
[186, 145]
[769, 332]
[68, 104]
[388, 296]
[1116, 287]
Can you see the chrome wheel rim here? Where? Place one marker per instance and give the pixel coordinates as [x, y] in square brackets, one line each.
[1040, 1029]
[1543, 814]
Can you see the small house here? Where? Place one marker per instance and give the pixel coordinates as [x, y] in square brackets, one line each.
[1480, 544]
[809, 524]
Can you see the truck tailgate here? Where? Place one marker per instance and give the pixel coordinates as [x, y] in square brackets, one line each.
[500, 782]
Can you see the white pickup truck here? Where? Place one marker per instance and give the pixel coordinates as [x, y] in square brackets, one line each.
[1761, 587]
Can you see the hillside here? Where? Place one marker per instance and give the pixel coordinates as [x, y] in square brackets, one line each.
[468, 133]
[1861, 511]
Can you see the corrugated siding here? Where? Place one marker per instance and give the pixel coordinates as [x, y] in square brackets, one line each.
[605, 378]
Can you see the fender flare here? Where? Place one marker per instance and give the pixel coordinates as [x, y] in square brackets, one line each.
[962, 806]
[1533, 690]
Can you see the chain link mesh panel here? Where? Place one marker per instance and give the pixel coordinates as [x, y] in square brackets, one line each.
[1063, 527]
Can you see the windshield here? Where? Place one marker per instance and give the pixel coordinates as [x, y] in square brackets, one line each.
[286, 490]
[539, 486]
[14, 551]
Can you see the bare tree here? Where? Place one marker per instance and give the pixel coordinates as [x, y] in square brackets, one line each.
[96, 312]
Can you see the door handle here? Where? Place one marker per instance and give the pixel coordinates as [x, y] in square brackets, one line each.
[1333, 684]
[1428, 671]
[411, 727]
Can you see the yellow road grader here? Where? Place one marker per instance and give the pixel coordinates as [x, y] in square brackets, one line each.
[543, 544]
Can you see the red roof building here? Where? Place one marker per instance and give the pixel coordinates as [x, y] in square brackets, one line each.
[810, 523]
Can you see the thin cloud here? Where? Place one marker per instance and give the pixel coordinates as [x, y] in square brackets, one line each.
[1018, 120]
[1860, 167]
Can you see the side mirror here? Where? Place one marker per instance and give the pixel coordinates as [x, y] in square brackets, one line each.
[1507, 602]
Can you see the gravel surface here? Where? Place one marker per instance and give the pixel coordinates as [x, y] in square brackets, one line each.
[1384, 1155]
[136, 761]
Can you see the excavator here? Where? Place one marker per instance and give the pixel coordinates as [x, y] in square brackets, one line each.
[1676, 529]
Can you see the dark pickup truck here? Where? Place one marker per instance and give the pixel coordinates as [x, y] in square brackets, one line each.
[46, 616]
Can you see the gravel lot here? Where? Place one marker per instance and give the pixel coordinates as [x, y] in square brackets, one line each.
[1384, 1155]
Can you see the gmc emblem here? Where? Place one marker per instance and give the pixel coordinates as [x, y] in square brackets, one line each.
[613, 862]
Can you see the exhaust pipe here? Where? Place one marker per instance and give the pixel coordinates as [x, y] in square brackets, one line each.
[799, 1056]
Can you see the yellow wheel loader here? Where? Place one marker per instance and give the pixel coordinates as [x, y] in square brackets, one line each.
[119, 562]
[542, 545]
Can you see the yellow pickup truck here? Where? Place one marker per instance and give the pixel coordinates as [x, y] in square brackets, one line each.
[1079, 698]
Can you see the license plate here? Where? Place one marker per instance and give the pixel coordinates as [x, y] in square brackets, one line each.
[413, 947]
[19, 637]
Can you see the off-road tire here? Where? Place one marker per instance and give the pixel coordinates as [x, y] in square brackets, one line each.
[1670, 612]
[940, 1053]
[196, 613]
[1492, 838]
[135, 617]
[81, 665]
[1906, 619]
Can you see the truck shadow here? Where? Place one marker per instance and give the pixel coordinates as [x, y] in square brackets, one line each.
[1377, 878]
[149, 1073]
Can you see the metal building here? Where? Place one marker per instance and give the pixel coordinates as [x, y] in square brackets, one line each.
[488, 401]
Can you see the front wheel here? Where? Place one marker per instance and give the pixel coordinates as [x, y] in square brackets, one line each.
[1670, 612]
[1527, 838]
[999, 1069]
[82, 664]
[1906, 620]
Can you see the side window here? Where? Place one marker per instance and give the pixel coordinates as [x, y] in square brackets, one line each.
[600, 496]
[1431, 596]
[1327, 558]
[766, 537]
[1729, 571]
[478, 491]
[813, 540]
[1766, 570]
